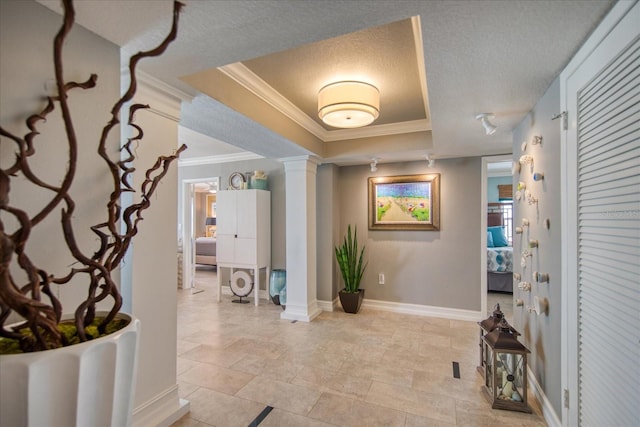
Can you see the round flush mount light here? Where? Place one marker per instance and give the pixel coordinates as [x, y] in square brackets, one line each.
[348, 104]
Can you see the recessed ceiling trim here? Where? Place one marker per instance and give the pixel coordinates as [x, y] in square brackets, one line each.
[223, 158]
[379, 130]
[262, 90]
[417, 35]
[248, 79]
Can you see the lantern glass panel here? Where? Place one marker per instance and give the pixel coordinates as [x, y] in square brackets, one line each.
[509, 377]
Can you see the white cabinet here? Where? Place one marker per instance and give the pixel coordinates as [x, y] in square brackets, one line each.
[243, 233]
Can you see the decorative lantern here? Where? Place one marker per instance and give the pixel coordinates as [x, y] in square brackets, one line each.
[505, 369]
[486, 326]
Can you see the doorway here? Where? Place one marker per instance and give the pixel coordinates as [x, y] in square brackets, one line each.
[192, 222]
[496, 170]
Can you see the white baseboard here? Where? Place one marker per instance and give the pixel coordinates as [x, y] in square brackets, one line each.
[328, 305]
[161, 411]
[423, 310]
[548, 412]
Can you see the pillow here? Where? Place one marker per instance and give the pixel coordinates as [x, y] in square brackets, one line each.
[499, 237]
[489, 239]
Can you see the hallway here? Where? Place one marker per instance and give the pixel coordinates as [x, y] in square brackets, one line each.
[375, 368]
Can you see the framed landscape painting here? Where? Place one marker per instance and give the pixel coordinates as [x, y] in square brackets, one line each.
[407, 202]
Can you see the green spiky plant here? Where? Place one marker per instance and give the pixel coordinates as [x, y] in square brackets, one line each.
[351, 261]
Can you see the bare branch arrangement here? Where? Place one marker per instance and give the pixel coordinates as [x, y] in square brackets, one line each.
[34, 300]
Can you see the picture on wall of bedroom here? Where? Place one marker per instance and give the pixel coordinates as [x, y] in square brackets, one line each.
[407, 202]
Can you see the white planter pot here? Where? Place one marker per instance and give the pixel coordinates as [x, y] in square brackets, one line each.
[88, 384]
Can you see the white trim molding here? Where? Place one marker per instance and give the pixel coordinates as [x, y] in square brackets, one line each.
[328, 305]
[254, 84]
[163, 410]
[163, 99]
[223, 158]
[423, 310]
[549, 414]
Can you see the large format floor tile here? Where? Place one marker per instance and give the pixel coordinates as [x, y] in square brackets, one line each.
[239, 364]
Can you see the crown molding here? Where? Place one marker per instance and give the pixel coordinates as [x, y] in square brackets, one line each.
[250, 81]
[160, 86]
[185, 135]
[223, 158]
[163, 99]
[379, 130]
[422, 73]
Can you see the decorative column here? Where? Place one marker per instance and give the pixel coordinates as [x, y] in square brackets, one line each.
[300, 190]
[149, 275]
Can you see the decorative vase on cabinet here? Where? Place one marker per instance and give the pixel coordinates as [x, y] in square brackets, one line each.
[244, 234]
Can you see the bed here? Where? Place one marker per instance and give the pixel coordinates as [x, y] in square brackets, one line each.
[499, 249]
[206, 250]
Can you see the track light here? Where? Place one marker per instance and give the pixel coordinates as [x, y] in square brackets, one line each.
[430, 161]
[489, 128]
[374, 164]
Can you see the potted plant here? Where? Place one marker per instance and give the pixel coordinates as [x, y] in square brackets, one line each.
[78, 367]
[352, 266]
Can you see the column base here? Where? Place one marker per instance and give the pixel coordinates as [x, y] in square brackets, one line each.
[301, 313]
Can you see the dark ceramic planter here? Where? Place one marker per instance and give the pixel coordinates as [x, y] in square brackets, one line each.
[351, 302]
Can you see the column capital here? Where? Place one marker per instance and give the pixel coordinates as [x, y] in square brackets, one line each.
[300, 163]
[163, 99]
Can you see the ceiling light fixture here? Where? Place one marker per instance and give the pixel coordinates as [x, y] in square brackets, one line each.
[374, 164]
[430, 161]
[348, 104]
[489, 128]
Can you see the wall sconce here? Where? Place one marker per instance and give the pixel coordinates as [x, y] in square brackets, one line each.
[374, 164]
[489, 128]
[348, 104]
[430, 161]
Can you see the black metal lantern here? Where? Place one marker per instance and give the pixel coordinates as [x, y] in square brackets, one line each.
[505, 369]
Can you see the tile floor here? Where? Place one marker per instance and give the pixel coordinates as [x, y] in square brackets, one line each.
[370, 369]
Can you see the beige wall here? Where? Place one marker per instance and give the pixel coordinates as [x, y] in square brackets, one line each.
[26, 42]
[433, 268]
[420, 267]
[541, 334]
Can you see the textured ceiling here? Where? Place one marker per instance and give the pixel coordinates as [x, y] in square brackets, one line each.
[479, 56]
[384, 56]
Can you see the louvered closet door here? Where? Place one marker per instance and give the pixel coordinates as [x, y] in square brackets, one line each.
[608, 126]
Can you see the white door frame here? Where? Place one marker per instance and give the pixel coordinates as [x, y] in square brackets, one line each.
[602, 46]
[186, 217]
[483, 228]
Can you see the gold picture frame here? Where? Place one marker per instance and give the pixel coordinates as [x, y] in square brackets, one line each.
[405, 202]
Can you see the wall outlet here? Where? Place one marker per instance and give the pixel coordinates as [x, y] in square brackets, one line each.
[381, 278]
